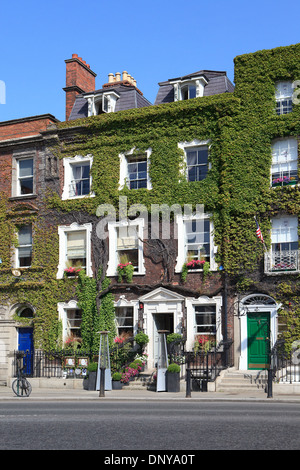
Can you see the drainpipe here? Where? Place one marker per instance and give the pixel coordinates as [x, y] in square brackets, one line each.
[225, 315]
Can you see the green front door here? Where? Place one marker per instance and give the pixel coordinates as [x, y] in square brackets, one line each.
[258, 340]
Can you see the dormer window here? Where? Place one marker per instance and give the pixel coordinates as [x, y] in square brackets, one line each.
[188, 92]
[188, 88]
[104, 102]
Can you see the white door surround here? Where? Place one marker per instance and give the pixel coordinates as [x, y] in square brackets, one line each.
[251, 304]
[161, 301]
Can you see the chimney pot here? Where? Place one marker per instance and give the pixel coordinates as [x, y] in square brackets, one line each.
[118, 77]
[74, 56]
[110, 77]
[124, 76]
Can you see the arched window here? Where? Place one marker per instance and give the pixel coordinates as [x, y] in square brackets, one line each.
[259, 299]
[25, 312]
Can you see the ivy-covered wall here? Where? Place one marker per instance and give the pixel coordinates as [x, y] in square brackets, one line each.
[240, 127]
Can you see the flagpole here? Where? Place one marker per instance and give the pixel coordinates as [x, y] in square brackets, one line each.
[260, 234]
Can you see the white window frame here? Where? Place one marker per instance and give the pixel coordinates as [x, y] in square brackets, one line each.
[182, 253]
[106, 100]
[69, 162]
[179, 85]
[124, 176]
[134, 304]
[285, 152]
[284, 231]
[63, 308]
[283, 92]
[62, 231]
[15, 186]
[196, 143]
[113, 252]
[19, 177]
[16, 251]
[190, 304]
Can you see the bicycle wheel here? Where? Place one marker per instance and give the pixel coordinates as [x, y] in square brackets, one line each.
[21, 387]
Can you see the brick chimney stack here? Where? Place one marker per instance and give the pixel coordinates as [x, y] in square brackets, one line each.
[79, 79]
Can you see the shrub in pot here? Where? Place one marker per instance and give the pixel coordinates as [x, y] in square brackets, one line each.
[173, 378]
[116, 381]
[141, 339]
[92, 375]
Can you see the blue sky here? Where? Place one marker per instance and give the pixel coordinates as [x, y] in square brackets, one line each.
[153, 41]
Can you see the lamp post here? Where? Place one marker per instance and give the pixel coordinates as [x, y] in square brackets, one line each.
[104, 373]
[225, 296]
[162, 363]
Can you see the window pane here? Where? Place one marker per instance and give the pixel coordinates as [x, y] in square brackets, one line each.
[185, 93]
[192, 91]
[26, 167]
[142, 166]
[26, 186]
[284, 230]
[124, 319]
[142, 184]
[197, 160]
[202, 156]
[205, 317]
[25, 235]
[191, 157]
[132, 167]
[74, 320]
[76, 248]
[129, 256]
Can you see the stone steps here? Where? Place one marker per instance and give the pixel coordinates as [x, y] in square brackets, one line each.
[234, 381]
[144, 381]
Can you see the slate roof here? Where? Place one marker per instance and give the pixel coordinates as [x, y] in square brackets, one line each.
[218, 82]
[129, 98]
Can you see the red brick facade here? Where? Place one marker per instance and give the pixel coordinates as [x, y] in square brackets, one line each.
[25, 127]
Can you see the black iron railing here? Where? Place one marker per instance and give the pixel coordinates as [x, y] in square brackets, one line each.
[71, 364]
[284, 364]
[205, 366]
[62, 363]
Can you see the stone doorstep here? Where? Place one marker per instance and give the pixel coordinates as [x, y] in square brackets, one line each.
[236, 380]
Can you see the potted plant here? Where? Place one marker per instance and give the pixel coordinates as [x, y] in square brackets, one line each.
[141, 339]
[92, 375]
[125, 269]
[116, 381]
[173, 378]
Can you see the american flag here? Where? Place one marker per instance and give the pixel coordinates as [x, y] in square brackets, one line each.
[258, 232]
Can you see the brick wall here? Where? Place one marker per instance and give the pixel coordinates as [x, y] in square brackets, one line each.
[5, 172]
[25, 127]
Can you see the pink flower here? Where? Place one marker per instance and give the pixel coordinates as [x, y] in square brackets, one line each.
[123, 265]
[118, 340]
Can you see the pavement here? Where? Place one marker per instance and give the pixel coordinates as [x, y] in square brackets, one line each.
[70, 394]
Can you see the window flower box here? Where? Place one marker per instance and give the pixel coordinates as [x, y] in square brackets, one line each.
[195, 264]
[72, 272]
[125, 270]
[284, 181]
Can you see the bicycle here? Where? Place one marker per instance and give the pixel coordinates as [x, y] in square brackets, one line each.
[20, 386]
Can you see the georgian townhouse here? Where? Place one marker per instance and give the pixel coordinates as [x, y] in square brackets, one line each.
[174, 191]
